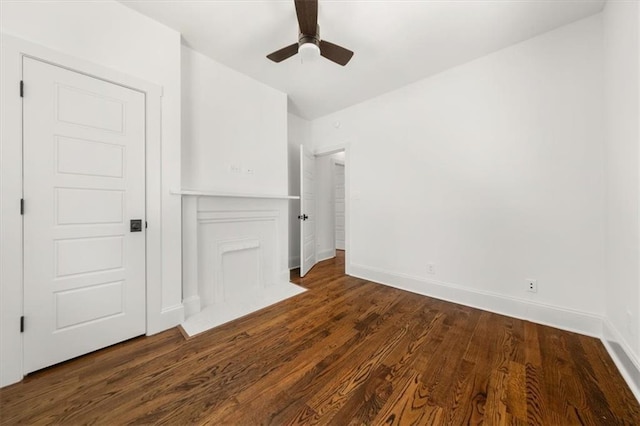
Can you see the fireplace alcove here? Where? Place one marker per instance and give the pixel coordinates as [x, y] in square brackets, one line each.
[235, 256]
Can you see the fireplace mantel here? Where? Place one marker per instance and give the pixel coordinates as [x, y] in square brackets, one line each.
[213, 193]
[235, 255]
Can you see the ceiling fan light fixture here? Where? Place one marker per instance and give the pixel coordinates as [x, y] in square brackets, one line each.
[309, 52]
[309, 44]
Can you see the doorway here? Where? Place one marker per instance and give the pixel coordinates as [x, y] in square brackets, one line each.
[331, 205]
[321, 212]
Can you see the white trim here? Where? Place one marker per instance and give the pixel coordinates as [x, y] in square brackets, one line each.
[190, 298]
[325, 255]
[207, 193]
[330, 150]
[347, 207]
[167, 318]
[633, 378]
[627, 364]
[630, 371]
[192, 305]
[11, 301]
[554, 316]
[11, 244]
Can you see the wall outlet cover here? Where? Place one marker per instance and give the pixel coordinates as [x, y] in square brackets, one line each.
[532, 286]
[431, 268]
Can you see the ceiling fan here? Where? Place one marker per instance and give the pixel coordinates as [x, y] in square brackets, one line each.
[309, 42]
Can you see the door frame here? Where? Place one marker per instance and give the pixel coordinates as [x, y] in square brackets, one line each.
[333, 149]
[11, 191]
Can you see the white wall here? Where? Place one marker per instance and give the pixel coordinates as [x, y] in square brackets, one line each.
[299, 133]
[229, 119]
[492, 171]
[113, 36]
[622, 119]
[325, 205]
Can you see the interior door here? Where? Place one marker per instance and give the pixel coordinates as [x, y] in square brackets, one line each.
[84, 179]
[307, 211]
[339, 205]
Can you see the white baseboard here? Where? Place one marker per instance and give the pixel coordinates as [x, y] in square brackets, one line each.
[325, 254]
[624, 358]
[191, 306]
[168, 318]
[554, 316]
[294, 261]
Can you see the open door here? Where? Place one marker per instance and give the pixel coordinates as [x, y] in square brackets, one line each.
[307, 211]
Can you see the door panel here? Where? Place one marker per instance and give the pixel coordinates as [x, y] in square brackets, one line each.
[90, 158]
[307, 211]
[88, 206]
[84, 304]
[84, 272]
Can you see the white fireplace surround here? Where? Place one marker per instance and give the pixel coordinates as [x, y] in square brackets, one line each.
[235, 256]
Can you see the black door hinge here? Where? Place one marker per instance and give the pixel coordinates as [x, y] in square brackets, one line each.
[21, 205]
[22, 324]
[146, 224]
[21, 89]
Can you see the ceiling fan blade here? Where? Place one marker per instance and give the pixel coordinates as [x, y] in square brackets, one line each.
[284, 53]
[307, 11]
[335, 53]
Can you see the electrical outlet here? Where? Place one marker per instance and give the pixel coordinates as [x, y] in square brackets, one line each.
[532, 286]
[431, 268]
[248, 170]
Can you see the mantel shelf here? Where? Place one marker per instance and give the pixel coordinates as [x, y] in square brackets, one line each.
[204, 193]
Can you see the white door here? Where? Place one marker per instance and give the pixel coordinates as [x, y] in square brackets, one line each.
[307, 211]
[339, 204]
[84, 177]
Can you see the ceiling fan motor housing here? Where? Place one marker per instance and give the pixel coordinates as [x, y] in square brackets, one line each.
[306, 38]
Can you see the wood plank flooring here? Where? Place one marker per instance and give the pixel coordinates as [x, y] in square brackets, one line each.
[346, 352]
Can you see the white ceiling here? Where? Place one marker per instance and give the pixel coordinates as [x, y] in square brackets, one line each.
[395, 42]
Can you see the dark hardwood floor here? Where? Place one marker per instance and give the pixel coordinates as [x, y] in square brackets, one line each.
[346, 352]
